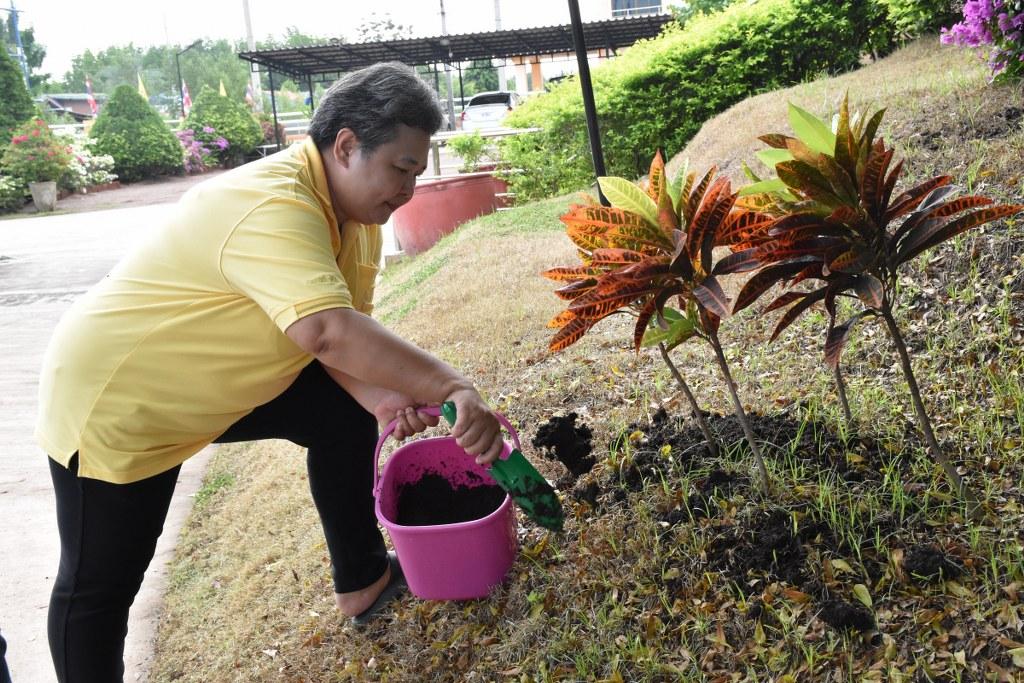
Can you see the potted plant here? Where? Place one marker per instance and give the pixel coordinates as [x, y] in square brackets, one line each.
[442, 204]
[39, 159]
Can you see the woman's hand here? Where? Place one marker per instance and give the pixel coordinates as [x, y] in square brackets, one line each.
[394, 405]
[476, 429]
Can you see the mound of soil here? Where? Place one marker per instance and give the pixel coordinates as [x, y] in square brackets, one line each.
[842, 615]
[926, 564]
[433, 500]
[559, 438]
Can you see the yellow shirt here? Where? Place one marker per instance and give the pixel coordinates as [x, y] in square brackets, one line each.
[185, 336]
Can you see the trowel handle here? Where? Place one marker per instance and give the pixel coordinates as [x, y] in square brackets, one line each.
[438, 411]
[448, 410]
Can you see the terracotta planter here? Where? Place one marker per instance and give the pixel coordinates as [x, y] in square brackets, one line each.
[44, 195]
[439, 206]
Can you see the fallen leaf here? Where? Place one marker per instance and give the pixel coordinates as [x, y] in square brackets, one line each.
[862, 594]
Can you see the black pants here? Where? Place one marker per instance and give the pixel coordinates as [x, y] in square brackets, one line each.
[108, 532]
[5, 675]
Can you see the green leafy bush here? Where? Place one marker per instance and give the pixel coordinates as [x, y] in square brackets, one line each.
[16, 104]
[659, 92]
[132, 132]
[230, 120]
[472, 148]
[913, 18]
[13, 192]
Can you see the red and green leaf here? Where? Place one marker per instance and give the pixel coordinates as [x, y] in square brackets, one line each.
[909, 200]
[709, 295]
[932, 235]
[793, 312]
[764, 280]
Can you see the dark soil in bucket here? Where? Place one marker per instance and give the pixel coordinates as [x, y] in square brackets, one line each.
[433, 500]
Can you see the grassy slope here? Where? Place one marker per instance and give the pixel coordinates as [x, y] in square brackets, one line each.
[616, 597]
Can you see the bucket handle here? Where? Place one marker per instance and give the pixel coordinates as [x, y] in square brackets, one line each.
[436, 412]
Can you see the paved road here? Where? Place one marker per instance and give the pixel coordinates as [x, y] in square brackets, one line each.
[45, 262]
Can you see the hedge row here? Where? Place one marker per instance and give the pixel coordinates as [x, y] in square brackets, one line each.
[658, 93]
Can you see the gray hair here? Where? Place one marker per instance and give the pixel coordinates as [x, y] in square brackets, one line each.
[372, 102]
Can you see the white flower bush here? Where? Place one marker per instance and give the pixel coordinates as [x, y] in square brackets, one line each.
[86, 168]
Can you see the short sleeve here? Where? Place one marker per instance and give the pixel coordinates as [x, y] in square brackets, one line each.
[280, 256]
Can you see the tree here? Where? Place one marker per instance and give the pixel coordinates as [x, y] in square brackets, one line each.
[481, 76]
[688, 9]
[16, 104]
[34, 52]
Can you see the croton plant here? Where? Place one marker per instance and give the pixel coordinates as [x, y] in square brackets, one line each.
[841, 223]
[832, 217]
[656, 245]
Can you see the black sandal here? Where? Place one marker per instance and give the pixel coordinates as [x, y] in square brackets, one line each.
[396, 586]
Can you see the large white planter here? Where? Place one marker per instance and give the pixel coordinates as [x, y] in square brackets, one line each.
[44, 195]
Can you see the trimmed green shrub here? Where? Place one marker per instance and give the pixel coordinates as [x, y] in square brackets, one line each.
[229, 120]
[660, 91]
[16, 104]
[132, 132]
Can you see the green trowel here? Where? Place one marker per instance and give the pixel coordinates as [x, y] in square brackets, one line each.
[530, 491]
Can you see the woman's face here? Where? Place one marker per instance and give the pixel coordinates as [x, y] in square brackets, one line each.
[369, 187]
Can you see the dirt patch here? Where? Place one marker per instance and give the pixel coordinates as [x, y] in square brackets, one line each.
[559, 438]
[842, 616]
[433, 500]
[927, 563]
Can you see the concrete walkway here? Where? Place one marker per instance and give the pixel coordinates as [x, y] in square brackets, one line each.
[45, 263]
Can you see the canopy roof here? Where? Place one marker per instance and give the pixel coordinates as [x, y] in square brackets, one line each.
[337, 57]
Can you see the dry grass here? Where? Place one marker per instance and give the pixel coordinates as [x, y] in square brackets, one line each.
[901, 82]
[617, 597]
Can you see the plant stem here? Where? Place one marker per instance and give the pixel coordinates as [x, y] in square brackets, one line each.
[697, 413]
[923, 422]
[738, 408]
[841, 388]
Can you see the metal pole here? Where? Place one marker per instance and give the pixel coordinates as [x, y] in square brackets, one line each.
[181, 81]
[448, 70]
[17, 41]
[502, 83]
[254, 76]
[181, 90]
[309, 84]
[588, 95]
[273, 108]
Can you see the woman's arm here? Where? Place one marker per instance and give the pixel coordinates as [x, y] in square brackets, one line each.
[385, 404]
[358, 346]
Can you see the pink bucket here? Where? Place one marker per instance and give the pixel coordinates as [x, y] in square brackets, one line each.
[446, 561]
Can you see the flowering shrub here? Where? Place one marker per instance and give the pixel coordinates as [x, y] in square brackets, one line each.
[233, 123]
[12, 193]
[999, 23]
[86, 167]
[35, 154]
[200, 151]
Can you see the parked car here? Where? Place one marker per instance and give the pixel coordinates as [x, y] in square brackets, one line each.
[488, 109]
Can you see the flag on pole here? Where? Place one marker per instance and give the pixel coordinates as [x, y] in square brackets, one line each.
[249, 99]
[89, 96]
[142, 88]
[186, 99]
[223, 92]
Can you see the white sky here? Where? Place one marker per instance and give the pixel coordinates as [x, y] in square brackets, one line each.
[69, 27]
